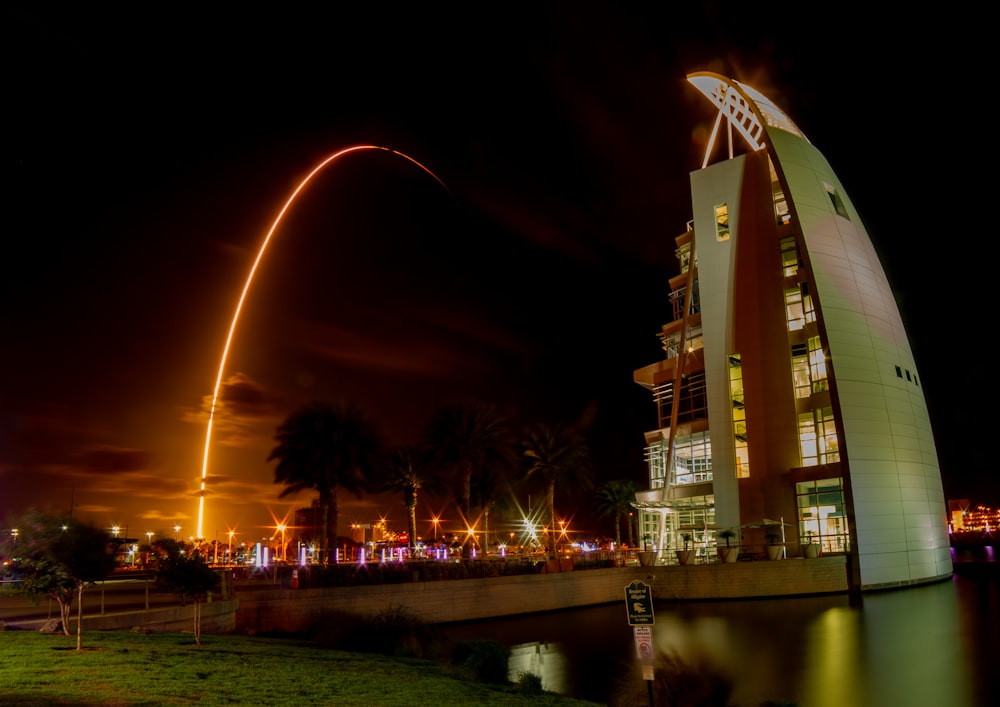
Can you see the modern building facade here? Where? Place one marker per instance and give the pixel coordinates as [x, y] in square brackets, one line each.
[789, 405]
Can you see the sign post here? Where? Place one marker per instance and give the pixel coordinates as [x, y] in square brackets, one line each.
[639, 605]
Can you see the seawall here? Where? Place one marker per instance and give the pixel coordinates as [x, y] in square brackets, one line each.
[452, 601]
[455, 601]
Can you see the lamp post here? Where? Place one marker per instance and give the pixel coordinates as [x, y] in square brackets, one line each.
[435, 521]
[230, 557]
[177, 532]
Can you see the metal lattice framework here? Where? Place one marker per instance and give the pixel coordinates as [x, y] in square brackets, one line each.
[744, 108]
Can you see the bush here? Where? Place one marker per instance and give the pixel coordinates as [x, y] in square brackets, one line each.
[529, 683]
[394, 632]
[482, 660]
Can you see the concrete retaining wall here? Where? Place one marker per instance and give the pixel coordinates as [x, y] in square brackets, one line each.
[216, 617]
[472, 599]
[450, 601]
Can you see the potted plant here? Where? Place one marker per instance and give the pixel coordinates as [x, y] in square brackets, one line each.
[647, 557]
[685, 556]
[774, 549]
[728, 553]
[810, 548]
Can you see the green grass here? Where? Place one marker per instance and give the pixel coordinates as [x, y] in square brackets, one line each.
[126, 668]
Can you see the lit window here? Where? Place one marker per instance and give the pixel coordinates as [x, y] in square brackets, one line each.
[822, 514]
[818, 437]
[800, 371]
[817, 365]
[722, 222]
[739, 416]
[789, 257]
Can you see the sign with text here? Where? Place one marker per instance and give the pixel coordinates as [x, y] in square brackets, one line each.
[639, 604]
[644, 650]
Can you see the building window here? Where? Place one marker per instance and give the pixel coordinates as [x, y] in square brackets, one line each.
[818, 441]
[693, 401]
[822, 515]
[677, 298]
[837, 201]
[800, 371]
[794, 312]
[692, 459]
[817, 365]
[739, 416]
[656, 458]
[722, 222]
[789, 257]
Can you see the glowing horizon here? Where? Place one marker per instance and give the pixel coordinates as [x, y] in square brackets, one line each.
[246, 289]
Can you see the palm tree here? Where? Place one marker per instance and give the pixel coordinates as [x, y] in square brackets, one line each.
[615, 500]
[327, 447]
[466, 440]
[491, 491]
[557, 453]
[406, 472]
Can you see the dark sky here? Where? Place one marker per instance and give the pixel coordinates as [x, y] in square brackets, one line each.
[146, 154]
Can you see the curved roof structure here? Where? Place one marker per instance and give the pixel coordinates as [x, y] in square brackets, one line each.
[746, 109]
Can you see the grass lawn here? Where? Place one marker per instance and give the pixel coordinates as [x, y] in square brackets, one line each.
[127, 668]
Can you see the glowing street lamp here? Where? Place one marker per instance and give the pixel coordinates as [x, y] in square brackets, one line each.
[231, 534]
[435, 520]
[281, 529]
[115, 529]
[177, 532]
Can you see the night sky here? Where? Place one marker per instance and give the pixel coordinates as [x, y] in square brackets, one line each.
[146, 154]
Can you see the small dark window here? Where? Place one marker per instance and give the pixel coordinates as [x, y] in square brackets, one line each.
[899, 372]
[838, 203]
[908, 376]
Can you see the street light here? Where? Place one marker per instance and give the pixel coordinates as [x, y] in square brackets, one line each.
[435, 520]
[281, 529]
[177, 532]
[231, 534]
[115, 529]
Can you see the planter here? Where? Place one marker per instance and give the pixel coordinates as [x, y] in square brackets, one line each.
[647, 558]
[810, 550]
[729, 554]
[685, 557]
[774, 552]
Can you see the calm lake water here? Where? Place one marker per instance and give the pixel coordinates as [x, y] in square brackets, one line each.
[929, 646]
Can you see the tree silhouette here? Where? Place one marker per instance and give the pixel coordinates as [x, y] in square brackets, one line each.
[325, 448]
[614, 500]
[557, 454]
[58, 557]
[407, 472]
[466, 440]
[190, 577]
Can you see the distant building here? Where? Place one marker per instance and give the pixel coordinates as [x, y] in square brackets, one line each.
[788, 401]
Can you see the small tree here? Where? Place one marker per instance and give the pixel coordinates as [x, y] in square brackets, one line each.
[191, 578]
[58, 557]
[727, 535]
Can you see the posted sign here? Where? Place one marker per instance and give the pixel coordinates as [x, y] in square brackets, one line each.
[639, 604]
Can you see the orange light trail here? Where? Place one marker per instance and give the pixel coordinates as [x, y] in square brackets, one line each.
[246, 289]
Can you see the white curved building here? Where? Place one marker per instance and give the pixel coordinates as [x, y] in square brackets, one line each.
[789, 404]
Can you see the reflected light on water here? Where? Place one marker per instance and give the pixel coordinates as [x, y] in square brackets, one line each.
[829, 676]
[929, 646]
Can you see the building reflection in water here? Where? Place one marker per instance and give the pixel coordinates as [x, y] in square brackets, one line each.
[931, 645]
